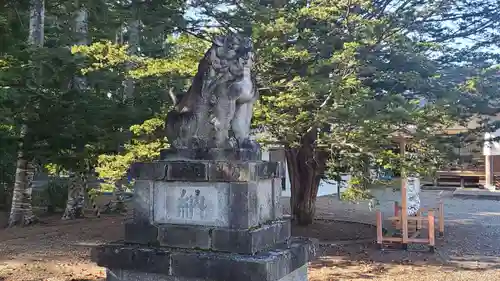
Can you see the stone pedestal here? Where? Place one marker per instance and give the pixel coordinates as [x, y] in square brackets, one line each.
[207, 219]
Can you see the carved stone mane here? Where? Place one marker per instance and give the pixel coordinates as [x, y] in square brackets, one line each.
[217, 109]
[192, 95]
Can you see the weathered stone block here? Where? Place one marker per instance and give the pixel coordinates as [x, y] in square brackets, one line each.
[276, 197]
[186, 171]
[182, 236]
[195, 203]
[141, 233]
[132, 258]
[205, 170]
[250, 241]
[211, 154]
[128, 275]
[142, 202]
[243, 241]
[266, 266]
[233, 205]
[299, 274]
[230, 171]
[270, 265]
[149, 171]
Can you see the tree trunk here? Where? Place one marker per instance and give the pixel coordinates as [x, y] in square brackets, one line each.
[82, 194]
[17, 210]
[133, 42]
[29, 216]
[21, 212]
[306, 165]
[76, 197]
[37, 18]
[69, 211]
[77, 182]
[81, 35]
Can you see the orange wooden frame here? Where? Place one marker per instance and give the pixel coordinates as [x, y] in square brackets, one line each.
[402, 220]
[419, 219]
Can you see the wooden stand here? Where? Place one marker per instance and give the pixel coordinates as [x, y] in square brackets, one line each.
[411, 227]
[414, 226]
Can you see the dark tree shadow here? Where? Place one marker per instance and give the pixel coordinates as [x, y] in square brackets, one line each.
[367, 261]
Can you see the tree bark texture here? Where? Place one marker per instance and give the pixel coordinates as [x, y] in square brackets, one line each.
[81, 34]
[37, 22]
[306, 165]
[76, 197]
[133, 50]
[21, 210]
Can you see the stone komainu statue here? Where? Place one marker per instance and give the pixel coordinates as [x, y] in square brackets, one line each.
[217, 109]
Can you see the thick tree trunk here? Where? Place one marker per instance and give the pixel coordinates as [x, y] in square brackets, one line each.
[306, 165]
[76, 198]
[82, 194]
[17, 208]
[21, 212]
[69, 211]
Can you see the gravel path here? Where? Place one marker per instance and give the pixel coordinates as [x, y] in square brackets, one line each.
[472, 226]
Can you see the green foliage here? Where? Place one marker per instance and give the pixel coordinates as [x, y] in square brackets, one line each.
[148, 137]
[183, 51]
[355, 72]
[355, 194]
[103, 55]
[106, 187]
[70, 126]
[352, 71]
[143, 146]
[355, 93]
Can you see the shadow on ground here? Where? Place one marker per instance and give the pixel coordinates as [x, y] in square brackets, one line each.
[367, 262]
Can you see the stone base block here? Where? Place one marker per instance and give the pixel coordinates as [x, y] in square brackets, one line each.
[211, 154]
[132, 262]
[299, 274]
[236, 205]
[207, 170]
[243, 241]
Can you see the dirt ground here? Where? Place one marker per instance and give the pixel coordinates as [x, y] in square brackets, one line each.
[331, 231]
[56, 250]
[364, 262]
[50, 252]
